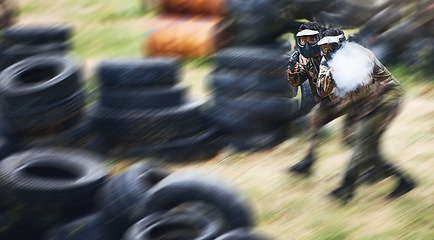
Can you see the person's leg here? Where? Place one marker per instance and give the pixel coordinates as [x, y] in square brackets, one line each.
[363, 158]
[319, 117]
[367, 155]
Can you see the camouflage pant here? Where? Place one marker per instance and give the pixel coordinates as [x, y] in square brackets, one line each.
[367, 134]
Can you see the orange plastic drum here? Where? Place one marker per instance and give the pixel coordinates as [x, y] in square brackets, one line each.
[210, 7]
[185, 35]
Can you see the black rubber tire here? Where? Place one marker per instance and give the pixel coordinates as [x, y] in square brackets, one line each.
[224, 82]
[121, 206]
[146, 98]
[49, 118]
[189, 186]
[242, 234]
[48, 179]
[250, 58]
[149, 126]
[180, 225]
[80, 135]
[131, 73]
[257, 22]
[42, 79]
[204, 145]
[8, 141]
[6, 147]
[231, 120]
[302, 9]
[36, 34]
[22, 110]
[15, 53]
[87, 228]
[12, 224]
[271, 108]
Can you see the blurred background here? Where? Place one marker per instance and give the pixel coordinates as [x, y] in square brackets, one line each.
[231, 55]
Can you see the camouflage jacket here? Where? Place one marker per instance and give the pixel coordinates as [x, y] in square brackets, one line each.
[381, 89]
[308, 70]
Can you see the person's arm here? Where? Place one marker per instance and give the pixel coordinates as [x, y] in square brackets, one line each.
[325, 84]
[295, 72]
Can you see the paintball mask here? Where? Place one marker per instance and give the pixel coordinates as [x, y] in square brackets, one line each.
[331, 44]
[307, 42]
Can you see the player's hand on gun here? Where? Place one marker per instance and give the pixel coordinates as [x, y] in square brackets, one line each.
[293, 66]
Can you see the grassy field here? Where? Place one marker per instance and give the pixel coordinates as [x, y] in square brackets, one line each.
[285, 206]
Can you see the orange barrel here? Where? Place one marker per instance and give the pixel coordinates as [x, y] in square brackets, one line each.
[186, 35]
[210, 7]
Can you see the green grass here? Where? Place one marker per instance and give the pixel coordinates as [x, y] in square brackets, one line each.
[286, 206]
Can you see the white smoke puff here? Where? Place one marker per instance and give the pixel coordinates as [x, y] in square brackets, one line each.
[352, 67]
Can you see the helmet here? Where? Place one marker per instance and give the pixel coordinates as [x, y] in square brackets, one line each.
[307, 43]
[330, 44]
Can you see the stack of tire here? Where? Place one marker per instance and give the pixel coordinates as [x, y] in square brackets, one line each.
[145, 202]
[45, 187]
[142, 111]
[43, 103]
[252, 102]
[8, 12]
[18, 42]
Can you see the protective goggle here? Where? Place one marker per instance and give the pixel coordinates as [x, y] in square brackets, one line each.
[307, 36]
[330, 46]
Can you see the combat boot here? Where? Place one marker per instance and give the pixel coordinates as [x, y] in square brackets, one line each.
[404, 186]
[345, 192]
[304, 166]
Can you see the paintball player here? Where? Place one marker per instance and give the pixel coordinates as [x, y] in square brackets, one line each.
[305, 66]
[375, 101]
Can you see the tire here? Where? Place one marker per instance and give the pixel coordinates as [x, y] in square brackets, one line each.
[18, 52]
[12, 224]
[80, 135]
[86, 228]
[203, 145]
[49, 179]
[140, 73]
[250, 58]
[149, 126]
[146, 98]
[188, 186]
[275, 108]
[121, 206]
[242, 234]
[230, 83]
[260, 26]
[229, 120]
[49, 118]
[176, 224]
[36, 34]
[51, 78]
[8, 140]
[6, 147]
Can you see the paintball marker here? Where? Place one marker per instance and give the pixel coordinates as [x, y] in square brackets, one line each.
[293, 61]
